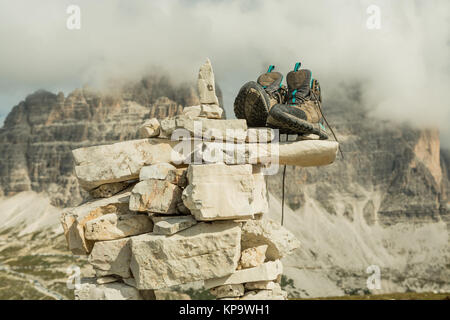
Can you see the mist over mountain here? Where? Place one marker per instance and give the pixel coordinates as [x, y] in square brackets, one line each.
[402, 68]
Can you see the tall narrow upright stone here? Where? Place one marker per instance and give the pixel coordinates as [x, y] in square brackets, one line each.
[206, 84]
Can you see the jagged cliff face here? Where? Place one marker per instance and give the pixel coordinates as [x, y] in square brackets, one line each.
[391, 172]
[40, 132]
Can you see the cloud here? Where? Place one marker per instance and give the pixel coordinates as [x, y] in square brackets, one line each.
[403, 67]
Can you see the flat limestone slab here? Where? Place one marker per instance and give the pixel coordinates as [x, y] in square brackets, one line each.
[170, 225]
[231, 130]
[266, 272]
[221, 192]
[73, 220]
[120, 161]
[204, 251]
[307, 153]
[112, 226]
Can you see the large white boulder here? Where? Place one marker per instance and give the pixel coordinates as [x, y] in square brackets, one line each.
[220, 192]
[204, 251]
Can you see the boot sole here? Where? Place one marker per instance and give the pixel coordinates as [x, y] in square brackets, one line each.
[289, 124]
[252, 104]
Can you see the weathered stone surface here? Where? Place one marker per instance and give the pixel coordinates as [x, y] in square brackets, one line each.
[157, 196]
[108, 190]
[265, 272]
[308, 153]
[253, 257]
[111, 258]
[211, 111]
[178, 177]
[298, 153]
[220, 192]
[262, 285]
[228, 291]
[170, 295]
[107, 279]
[110, 291]
[171, 225]
[149, 129]
[74, 220]
[265, 295]
[280, 241]
[112, 226]
[157, 171]
[206, 84]
[192, 111]
[120, 161]
[230, 130]
[204, 251]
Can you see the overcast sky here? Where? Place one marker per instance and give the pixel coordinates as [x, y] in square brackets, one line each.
[404, 66]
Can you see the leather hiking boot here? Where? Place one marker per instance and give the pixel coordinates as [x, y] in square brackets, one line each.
[300, 114]
[255, 99]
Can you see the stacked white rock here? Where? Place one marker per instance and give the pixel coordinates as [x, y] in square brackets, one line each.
[157, 220]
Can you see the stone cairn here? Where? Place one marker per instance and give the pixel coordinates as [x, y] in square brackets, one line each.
[180, 205]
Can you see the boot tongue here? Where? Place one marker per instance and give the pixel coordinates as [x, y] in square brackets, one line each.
[299, 81]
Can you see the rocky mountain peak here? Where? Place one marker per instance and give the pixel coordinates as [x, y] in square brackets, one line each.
[39, 132]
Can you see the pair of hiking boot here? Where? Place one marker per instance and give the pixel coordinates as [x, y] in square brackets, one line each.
[293, 110]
